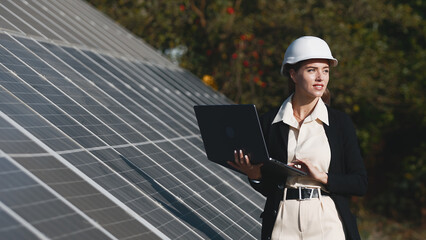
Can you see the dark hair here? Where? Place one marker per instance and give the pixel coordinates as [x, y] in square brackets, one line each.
[326, 96]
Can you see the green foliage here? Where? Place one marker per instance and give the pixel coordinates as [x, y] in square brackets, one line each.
[379, 81]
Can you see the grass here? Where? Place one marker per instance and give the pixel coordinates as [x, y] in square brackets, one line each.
[373, 226]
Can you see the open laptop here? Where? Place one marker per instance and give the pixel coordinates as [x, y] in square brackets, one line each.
[225, 128]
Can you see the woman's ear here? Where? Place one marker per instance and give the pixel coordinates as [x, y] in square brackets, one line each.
[292, 74]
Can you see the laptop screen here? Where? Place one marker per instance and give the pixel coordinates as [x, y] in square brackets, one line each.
[225, 128]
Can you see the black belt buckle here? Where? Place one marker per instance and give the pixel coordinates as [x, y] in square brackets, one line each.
[302, 196]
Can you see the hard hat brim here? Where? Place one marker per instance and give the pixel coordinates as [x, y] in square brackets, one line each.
[333, 62]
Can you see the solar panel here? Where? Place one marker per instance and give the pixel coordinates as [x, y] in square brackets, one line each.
[98, 139]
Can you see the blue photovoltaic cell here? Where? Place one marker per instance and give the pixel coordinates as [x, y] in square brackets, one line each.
[105, 79]
[160, 96]
[128, 191]
[103, 175]
[198, 185]
[52, 93]
[10, 141]
[11, 17]
[64, 20]
[226, 180]
[180, 92]
[10, 228]
[80, 95]
[50, 112]
[82, 195]
[29, 200]
[212, 174]
[81, 79]
[92, 32]
[49, 26]
[101, 155]
[68, 185]
[121, 79]
[26, 14]
[180, 188]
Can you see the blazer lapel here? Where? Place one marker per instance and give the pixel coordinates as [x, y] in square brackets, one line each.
[333, 139]
[280, 133]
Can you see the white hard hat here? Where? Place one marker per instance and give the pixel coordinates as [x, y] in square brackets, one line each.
[307, 47]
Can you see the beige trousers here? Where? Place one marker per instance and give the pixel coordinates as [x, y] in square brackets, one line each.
[312, 219]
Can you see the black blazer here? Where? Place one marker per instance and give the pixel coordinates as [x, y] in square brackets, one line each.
[346, 176]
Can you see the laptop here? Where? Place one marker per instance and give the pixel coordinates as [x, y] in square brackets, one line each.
[225, 128]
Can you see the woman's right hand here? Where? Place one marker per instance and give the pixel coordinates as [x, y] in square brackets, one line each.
[242, 164]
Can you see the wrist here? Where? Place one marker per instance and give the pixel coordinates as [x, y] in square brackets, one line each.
[255, 176]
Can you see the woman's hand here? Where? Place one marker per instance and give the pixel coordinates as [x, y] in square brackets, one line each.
[314, 172]
[242, 163]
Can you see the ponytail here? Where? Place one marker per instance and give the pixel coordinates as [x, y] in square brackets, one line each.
[326, 97]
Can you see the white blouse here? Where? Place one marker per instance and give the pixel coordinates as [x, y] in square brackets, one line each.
[307, 141]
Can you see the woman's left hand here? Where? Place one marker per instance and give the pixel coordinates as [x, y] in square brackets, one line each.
[314, 172]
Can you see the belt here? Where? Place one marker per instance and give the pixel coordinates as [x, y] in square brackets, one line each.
[302, 193]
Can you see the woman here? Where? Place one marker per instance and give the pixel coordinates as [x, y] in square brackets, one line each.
[306, 133]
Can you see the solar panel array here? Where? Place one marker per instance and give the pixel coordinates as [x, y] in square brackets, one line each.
[98, 138]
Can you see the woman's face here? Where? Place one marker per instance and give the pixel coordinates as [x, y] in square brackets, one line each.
[312, 78]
